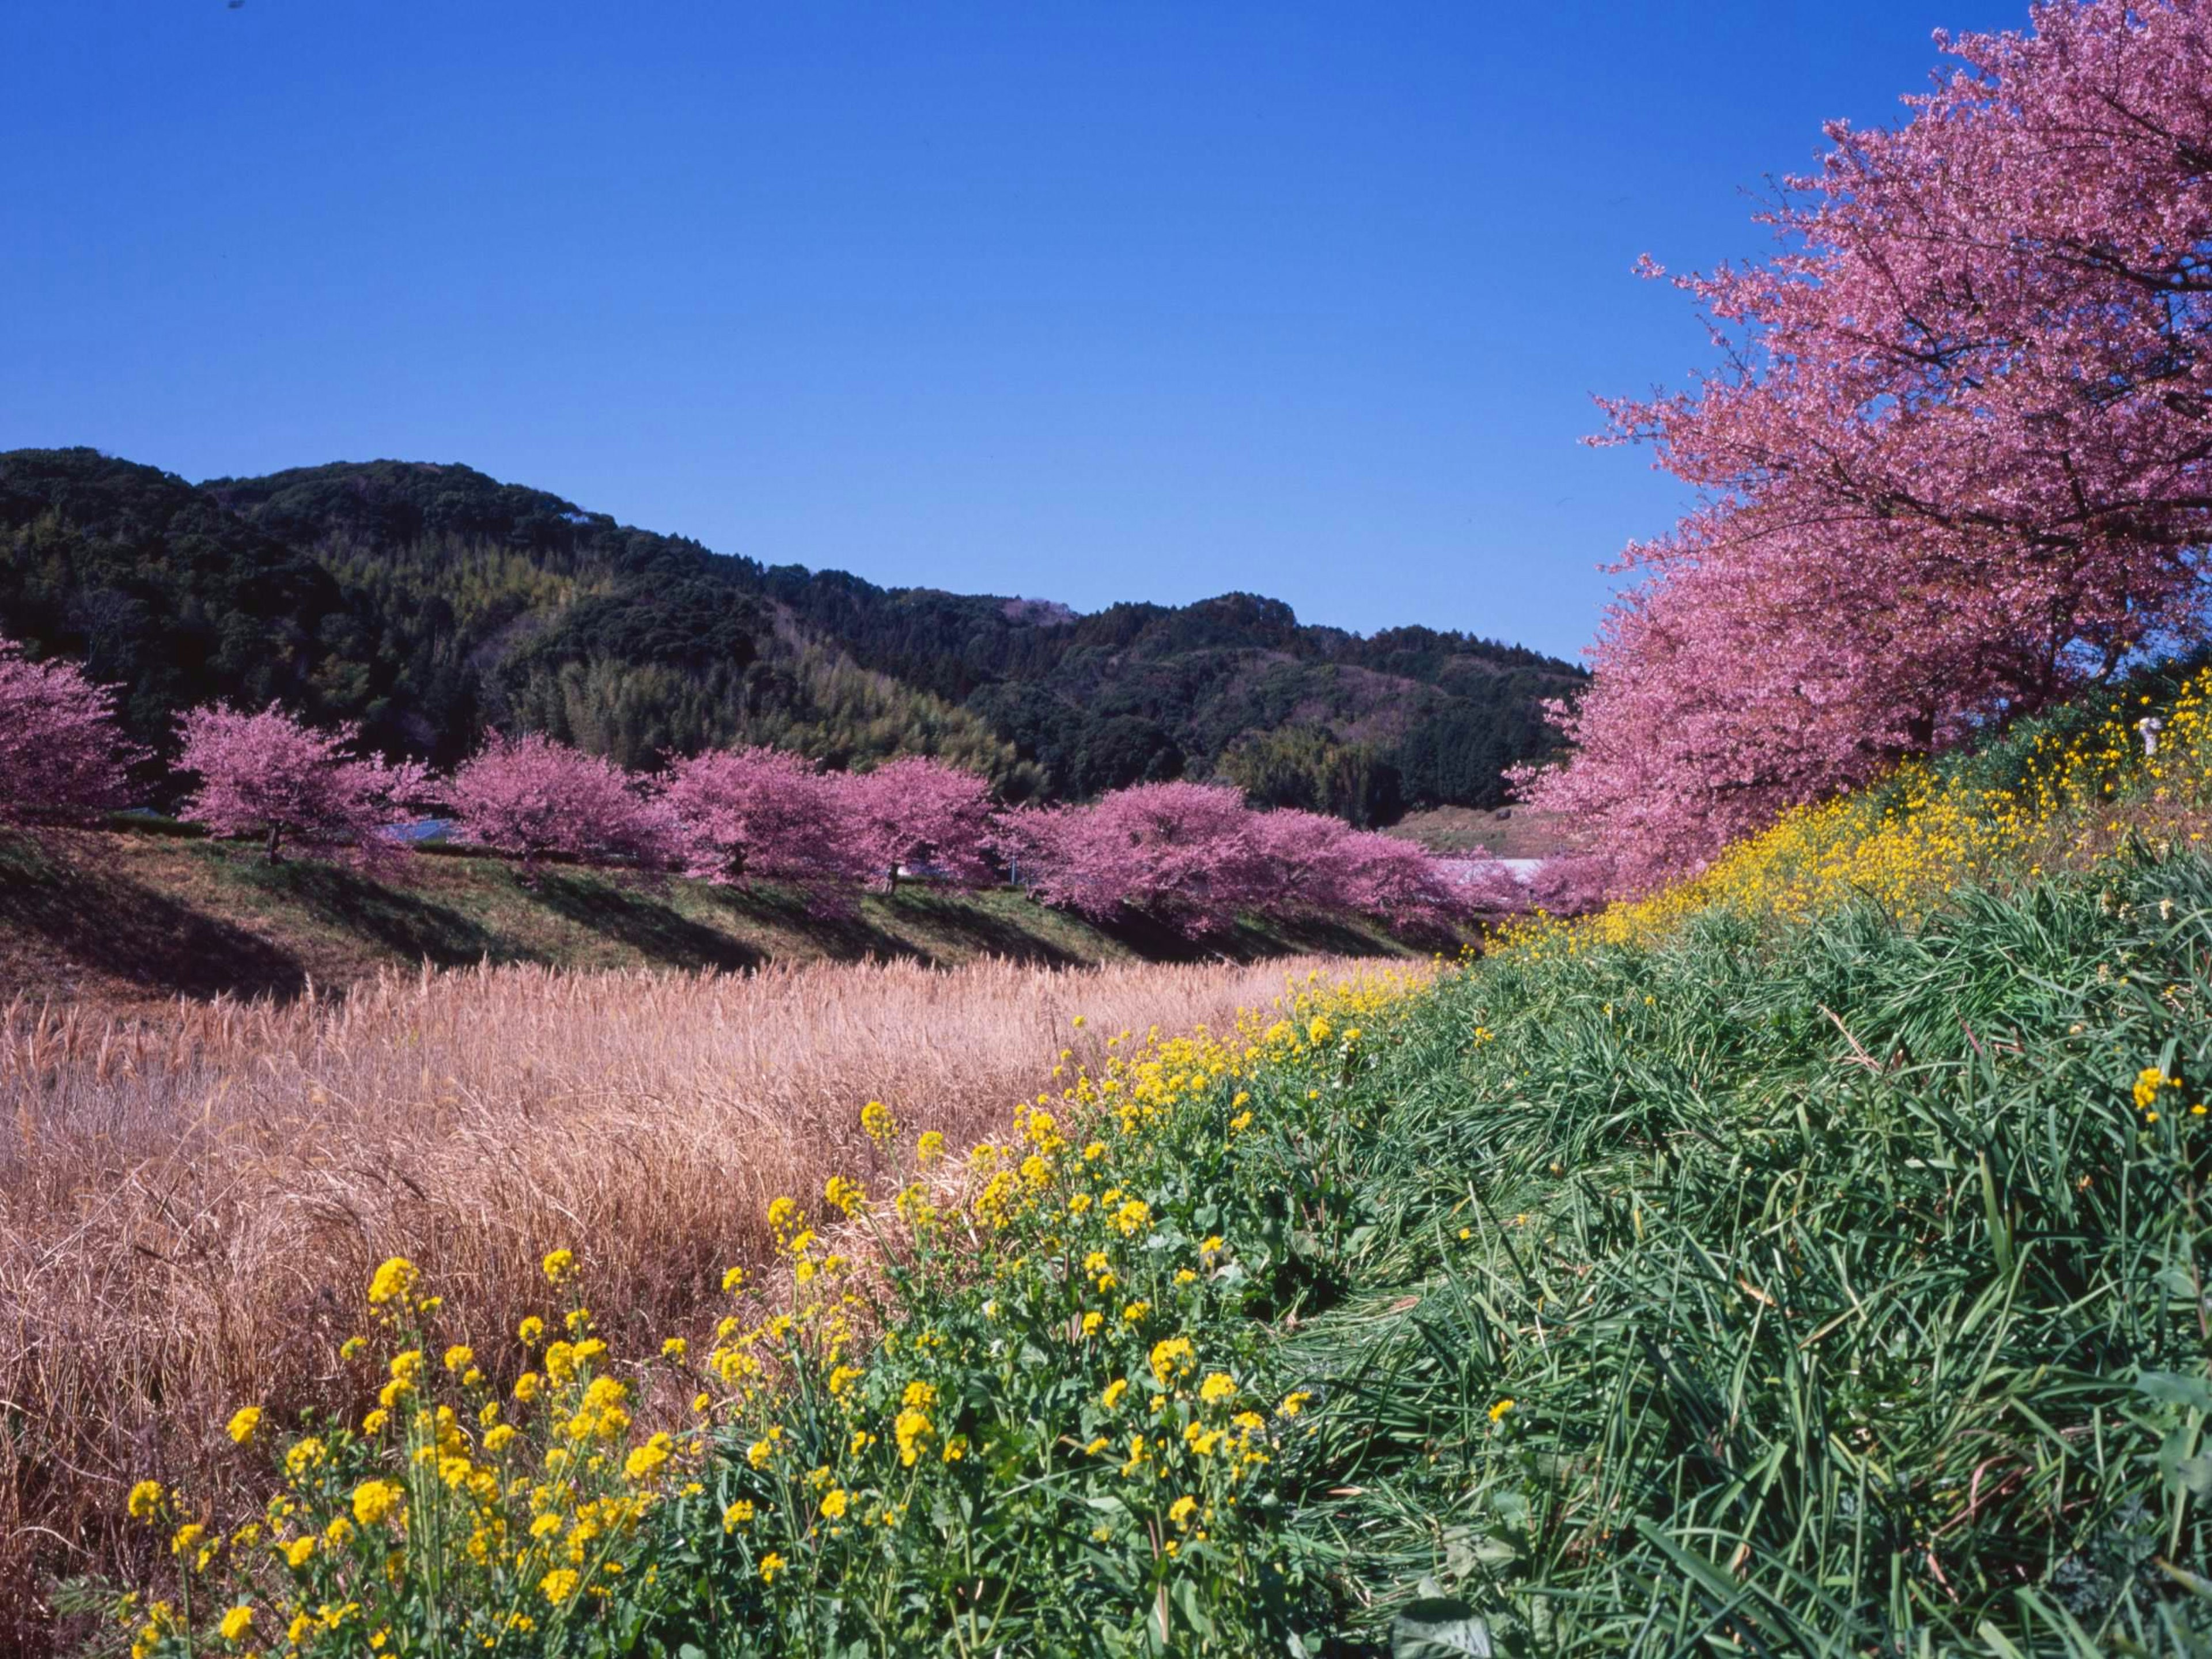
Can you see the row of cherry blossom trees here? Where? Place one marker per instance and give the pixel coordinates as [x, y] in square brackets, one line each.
[1957, 461]
[1193, 857]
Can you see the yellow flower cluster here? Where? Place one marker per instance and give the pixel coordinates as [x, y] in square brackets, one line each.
[1929, 829]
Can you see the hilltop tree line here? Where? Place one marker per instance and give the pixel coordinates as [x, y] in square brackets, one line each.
[1957, 462]
[426, 603]
[1192, 857]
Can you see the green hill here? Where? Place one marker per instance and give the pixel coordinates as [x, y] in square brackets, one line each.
[428, 601]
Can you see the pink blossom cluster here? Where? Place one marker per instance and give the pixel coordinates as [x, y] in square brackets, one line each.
[1958, 460]
[62, 754]
[268, 776]
[767, 815]
[532, 798]
[1193, 857]
[1196, 858]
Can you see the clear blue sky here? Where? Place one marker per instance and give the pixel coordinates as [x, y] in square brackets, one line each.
[1083, 298]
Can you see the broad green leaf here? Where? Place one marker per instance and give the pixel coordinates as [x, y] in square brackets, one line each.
[1440, 1627]
[2173, 1389]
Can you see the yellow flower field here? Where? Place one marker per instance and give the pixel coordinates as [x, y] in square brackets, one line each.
[2071, 799]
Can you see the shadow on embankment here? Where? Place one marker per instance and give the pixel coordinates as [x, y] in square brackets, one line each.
[111, 914]
[70, 921]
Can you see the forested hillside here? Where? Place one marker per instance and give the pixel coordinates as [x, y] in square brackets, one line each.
[428, 602]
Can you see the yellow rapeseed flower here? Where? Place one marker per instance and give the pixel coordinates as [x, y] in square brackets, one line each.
[877, 1119]
[393, 1281]
[373, 1500]
[911, 1428]
[1172, 1357]
[646, 1461]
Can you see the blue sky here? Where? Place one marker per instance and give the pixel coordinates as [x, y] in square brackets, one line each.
[1081, 299]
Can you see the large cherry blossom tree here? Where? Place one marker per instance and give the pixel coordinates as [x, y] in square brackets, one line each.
[271, 776]
[919, 813]
[1957, 459]
[532, 798]
[751, 815]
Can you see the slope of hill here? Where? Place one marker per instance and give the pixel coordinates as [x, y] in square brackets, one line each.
[427, 601]
[127, 919]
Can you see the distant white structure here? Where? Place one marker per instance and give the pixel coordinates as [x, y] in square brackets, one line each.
[2150, 725]
[1465, 871]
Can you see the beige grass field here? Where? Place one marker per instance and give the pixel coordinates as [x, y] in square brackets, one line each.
[192, 1196]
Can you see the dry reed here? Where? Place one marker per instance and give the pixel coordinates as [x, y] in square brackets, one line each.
[190, 1203]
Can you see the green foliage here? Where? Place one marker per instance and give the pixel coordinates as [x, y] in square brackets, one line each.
[1313, 772]
[157, 588]
[1847, 1281]
[427, 602]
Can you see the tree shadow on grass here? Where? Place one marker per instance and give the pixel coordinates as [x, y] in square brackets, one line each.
[842, 934]
[973, 929]
[655, 930]
[404, 923]
[110, 924]
[1317, 936]
[1155, 941]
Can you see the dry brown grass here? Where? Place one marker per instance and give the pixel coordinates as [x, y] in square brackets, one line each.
[189, 1204]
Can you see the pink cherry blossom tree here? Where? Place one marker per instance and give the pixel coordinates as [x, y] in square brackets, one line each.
[269, 775]
[1184, 854]
[1406, 886]
[1958, 460]
[917, 812]
[1196, 857]
[532, 798]
[62, 754]
[1320, 866]
[752, 815]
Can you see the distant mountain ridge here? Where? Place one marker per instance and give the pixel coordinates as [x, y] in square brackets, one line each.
[428, 601]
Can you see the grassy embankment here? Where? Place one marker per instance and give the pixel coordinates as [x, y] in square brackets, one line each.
[1811, 1261]
[132, 916]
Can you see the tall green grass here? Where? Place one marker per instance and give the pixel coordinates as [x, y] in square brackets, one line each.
[1847, 1300]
